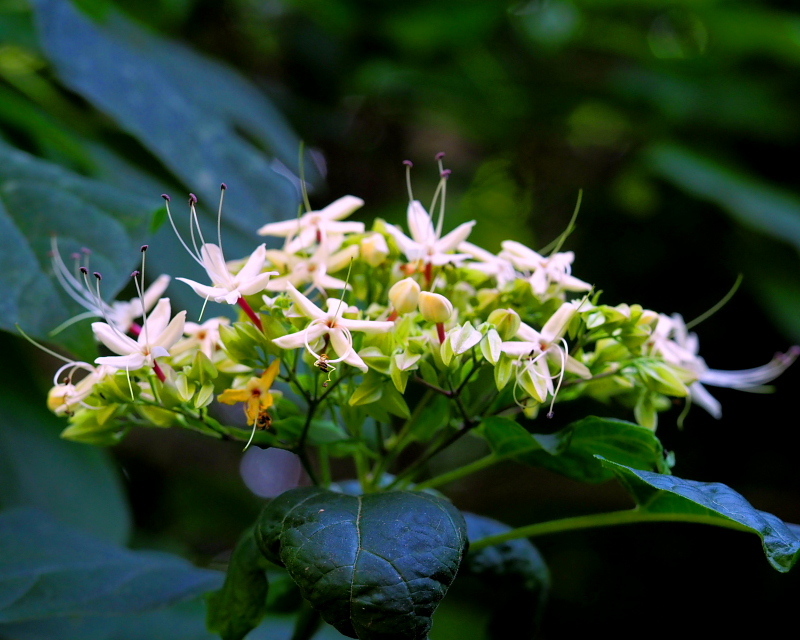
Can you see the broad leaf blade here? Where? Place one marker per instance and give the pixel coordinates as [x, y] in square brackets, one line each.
[713, 503]
[49, 570]
[572, 451]
[39, 200]
[513, 573]
[375, 566]
[238, 607]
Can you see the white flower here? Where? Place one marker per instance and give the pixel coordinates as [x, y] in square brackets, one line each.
[313, 270]
[545, 271]
[425, 243]
[158, 334]
[331, 326]
[121, 314]
[315, 226]
[501, 269]
[226, 286]
[677, 346]
[62, 398]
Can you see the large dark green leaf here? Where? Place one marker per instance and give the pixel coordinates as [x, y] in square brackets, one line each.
[375, 566]
[49, 570]
[572, 450]
[39, 200]
[199, 117]
[513, 573]
[75, 483]
[238, 607]
[711, 503]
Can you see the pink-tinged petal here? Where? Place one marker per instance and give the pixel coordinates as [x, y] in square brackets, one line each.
[253, 266]
[278, 284]
[280, 229]
[215, 266]
[528, 333]
[299, 338]
[304, 305]
[366, 326]
[130, 362]
[420, 224]
[114, 340]
[217, 294]
[341, 343]
[411, 249]
[520, 349]
[172, 333]
[341, 208]
[158, 352]
[539, 281]
[257, 284]
[157, 321]
[556, 326]
[455, 237]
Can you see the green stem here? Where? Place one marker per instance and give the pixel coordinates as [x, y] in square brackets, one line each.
[460, 472]
[629, 516]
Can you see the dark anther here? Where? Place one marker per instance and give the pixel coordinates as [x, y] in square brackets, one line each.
[440, 155]
[223, 186]
[144, 248]
[84, 271]
[192, 199]
[446, 173]
[97, 275]
[408, 163]
[166, 197]
[135, 273]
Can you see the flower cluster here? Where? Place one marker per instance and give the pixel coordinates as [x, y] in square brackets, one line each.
[346, 334]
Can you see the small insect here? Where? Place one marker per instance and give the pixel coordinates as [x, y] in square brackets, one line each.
[263, 420]
[324, 365]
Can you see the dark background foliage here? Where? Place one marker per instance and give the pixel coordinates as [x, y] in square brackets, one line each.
[678, 120]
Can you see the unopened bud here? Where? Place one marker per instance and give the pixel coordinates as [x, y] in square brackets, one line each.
[374, 249]
[404, 295]
[435, 307]
[506, 321]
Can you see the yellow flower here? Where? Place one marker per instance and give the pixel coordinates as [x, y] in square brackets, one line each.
[256, 394]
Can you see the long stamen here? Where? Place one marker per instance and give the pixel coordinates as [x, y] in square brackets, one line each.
[408, 165]
[43, 348]
[194, 223]
[222, 188]
[195, 254]
[302, 171]
[563, 353]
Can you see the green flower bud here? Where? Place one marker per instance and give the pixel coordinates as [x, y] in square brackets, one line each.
[506, 321]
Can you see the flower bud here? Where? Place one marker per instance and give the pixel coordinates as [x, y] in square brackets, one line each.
[506, 321]
[374, 249]
[404, 295]
[435, 307]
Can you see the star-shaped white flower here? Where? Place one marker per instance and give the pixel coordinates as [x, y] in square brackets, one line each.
[329, 325]
[314, 269]
[315, 226]
[678, 346]
[425, 243]
[545, 271]
[501, 269]
[120, 313]
[158, 334]
[226, 286]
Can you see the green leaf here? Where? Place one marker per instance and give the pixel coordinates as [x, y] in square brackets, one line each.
[75, 483]
[572, 450]
[39, 200]
[711, 503]
[513, 572]
[753, 203]
[238, 607]
[48, 569]
[161, 94]
[375, 566]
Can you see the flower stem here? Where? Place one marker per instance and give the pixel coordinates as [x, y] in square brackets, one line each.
[593, 521]
[250, 313]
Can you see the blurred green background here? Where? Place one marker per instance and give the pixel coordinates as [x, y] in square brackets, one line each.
[680, 121]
